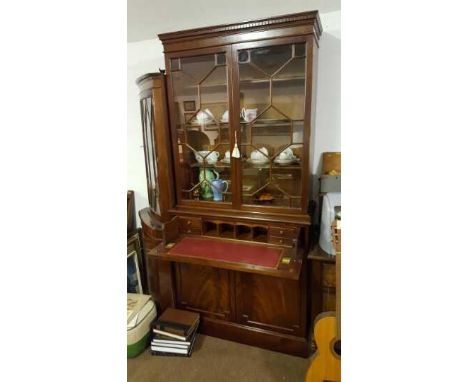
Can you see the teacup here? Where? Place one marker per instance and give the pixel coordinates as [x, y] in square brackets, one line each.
[210, 158]
[248, 114]
[286, 154]
[205, 116]
[257, 155]
[225, 116]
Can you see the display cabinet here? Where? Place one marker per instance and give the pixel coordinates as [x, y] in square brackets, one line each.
[228, 160]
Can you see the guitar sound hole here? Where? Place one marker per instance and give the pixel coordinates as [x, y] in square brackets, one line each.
[337, 347]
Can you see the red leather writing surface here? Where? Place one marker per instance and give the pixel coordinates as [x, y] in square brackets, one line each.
[227, 251]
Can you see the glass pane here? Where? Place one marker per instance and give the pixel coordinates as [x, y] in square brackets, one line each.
[146, 106]
[272, 101]
[201, 104]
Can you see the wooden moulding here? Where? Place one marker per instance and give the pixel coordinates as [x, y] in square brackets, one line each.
[295, 19]
[253, 336]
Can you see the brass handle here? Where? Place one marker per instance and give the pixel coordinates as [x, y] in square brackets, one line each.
[189, 231]
[281, 232]
[189, 222]
[281, 241]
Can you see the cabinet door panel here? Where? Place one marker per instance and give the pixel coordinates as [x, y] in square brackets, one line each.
[204, 290]
[269, 303]
[272, 87]
[199, 98]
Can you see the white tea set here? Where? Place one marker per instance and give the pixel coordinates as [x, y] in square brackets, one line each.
[286, 157]
[204, 117]
[248, 115]
[212, 157]
[259, 156]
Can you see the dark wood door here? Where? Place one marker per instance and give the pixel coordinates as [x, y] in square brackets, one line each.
[270, 303]
[203, 289]
[199, 95]
[271, 79]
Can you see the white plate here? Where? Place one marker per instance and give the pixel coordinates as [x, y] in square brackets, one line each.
[225, 161]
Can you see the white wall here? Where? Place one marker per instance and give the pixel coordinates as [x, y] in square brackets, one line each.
[147, 56]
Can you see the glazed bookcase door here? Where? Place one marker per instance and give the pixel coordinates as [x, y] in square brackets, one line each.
[272, 99]
[199, 97]
[147, 120]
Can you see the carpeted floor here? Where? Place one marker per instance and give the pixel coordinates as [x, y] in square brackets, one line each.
[217, 360]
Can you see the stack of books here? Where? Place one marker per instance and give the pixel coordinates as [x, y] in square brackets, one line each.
[174, 333]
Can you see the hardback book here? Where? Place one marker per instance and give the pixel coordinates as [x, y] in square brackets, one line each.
[178, 324]
[159, 339]
[172, 351]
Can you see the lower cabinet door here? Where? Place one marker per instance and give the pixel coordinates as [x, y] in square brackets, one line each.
[204, 290]
[270, 303]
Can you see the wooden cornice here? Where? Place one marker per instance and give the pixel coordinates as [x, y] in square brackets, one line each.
[295, 19]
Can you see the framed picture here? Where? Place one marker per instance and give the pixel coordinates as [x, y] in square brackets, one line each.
[188, 117]
[190, 106]
[134, 284]
[136, 270]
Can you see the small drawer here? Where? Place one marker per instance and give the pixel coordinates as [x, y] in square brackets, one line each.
[284, 232]
[192, 231]
[282, 241]
[192, 225]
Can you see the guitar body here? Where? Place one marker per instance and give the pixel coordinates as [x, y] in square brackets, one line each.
[326, 363]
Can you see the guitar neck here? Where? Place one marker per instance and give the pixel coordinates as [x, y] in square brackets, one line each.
[336, 234]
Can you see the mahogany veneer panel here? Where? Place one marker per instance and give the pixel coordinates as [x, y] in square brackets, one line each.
[203, 289]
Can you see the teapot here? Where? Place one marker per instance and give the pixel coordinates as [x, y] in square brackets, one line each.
[260, 155]
[205, 177]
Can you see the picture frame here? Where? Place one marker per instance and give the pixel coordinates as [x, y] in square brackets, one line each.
[136, 269]
[190, 106]
[134, 284]
[188, 117]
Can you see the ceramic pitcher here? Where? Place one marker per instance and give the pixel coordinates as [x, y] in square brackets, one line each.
[217, 187]
[209, 175]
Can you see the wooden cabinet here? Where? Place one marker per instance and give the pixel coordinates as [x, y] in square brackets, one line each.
[257, 95]
[246, 87]
[269, 303]
[203, 289]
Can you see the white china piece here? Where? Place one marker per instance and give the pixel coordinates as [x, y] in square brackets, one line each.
[225, 117]
[205, 116]
[211, 157]
[248, 114]
[260, 155]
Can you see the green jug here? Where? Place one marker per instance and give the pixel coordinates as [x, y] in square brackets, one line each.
[209, 176]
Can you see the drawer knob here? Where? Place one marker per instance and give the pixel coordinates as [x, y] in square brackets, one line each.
[189, 231]
[281, 241]
[189, 222]
[281, 232]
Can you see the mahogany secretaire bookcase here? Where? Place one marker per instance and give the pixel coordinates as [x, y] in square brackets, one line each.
[227, 235]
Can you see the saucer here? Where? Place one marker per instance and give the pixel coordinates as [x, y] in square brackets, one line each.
[201, 123]
[286, 161]
[258, 162]
[225, 161]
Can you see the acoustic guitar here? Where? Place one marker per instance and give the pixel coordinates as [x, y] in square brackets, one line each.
[326, 361]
